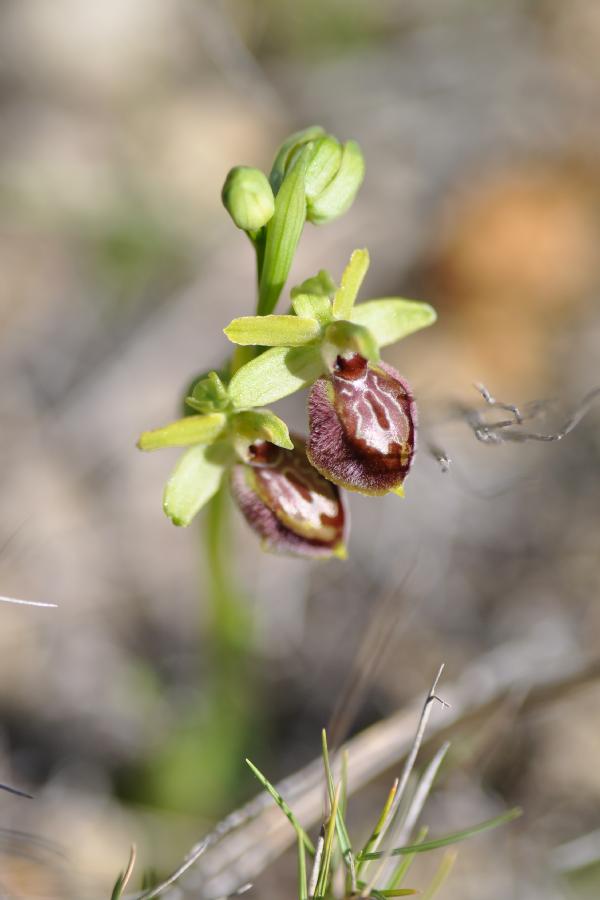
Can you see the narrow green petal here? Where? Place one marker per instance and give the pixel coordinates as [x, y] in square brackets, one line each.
[262, 424]
[184, 432]
[195, 479]
[313, 306]
[283, 233]
[321, 284]
[352, 279]
[272, 331]
[275, 374]
[391, 318]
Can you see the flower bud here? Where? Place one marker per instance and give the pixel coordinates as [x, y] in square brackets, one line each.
[362, 426]
[288, 151]
[323, 166]
[336, 195]
[248, 198]
[293, 508]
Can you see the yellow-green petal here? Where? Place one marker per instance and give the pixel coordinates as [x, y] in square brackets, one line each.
[274, 374]
[185, 432]
[195, 479]
[391, 318]
[352, 279]
[262, 425]
[272, 331]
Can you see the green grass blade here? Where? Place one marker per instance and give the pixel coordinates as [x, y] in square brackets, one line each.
[401, 870]
[441, 875]
[328, 848]
[302, 883]
[401, 892]
[282, 806]
[448, 839]
[343, 836]
[375, 834]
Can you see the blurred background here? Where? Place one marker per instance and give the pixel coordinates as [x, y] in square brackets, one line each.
[480, 124]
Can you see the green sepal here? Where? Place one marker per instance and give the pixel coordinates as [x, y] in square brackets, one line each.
[313, 306]
[282, 235]
[203, 429]
[286, 150]
[391, 318]
[321, 284]
[346, 338]
[272, 331]
[274, 374]
[323, 165]
[252, 425]
[339, 194]
[207, 393]
[239, 358]
[352, 279]
[194, 480]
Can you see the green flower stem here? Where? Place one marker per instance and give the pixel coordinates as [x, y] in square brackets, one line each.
[259, 240]
[229, 616]
[198, 768]
[231, 703]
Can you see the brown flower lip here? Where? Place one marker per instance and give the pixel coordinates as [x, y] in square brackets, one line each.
[363, 422]
[289, 504]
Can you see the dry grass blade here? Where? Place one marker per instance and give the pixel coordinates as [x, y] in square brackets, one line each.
[15, 791]
[406, 772]
[238, 850]
[189, 861]
[124, 877]
[314, 875]
[511, 429]
[18, 602]
[401, 834]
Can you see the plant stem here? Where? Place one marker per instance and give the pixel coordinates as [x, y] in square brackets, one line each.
[229, 618]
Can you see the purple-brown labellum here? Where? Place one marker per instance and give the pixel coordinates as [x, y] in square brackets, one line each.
[362, 421]
[291, 506]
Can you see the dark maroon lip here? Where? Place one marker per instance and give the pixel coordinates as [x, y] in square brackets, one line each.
[289, 504]
[362, 426]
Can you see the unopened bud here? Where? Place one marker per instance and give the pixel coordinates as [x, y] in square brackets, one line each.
[339, 193]
[248, 198]
[322, 167]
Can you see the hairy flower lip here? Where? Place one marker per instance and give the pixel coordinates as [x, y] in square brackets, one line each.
[364, 464]
[269, 518]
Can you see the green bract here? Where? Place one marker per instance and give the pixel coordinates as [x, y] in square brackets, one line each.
[283, 233]
[322, 326]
